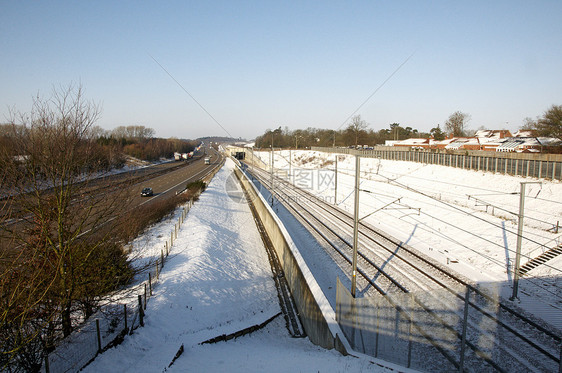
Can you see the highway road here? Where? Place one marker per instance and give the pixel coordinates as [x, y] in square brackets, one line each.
[122, 191]
[175, 181]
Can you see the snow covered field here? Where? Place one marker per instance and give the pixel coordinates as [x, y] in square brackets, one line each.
[467, 219]
[217, 281]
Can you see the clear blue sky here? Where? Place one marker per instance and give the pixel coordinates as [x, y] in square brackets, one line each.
[256, 65]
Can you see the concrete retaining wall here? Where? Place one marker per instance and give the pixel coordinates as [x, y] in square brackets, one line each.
[317, 315]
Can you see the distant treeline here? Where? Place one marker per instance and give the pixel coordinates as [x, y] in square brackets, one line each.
[111, 147]
[358, 132]
[355, 134]
[139, 142]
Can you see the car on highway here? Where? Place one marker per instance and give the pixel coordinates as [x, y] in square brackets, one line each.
[147, 192]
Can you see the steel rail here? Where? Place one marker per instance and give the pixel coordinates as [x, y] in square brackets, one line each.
[399, 308]
[474, 289]
[312, 199]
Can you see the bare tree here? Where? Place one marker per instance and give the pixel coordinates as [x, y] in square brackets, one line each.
[58, 243]
[357, 126]
[456, 123]
[133, 133]
[529, 124]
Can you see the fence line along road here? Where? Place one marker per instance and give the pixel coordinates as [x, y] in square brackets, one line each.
[538, 165]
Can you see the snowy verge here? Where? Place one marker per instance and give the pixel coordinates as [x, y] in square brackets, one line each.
[217, 280]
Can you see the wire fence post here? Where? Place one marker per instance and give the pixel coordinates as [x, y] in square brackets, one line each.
[141, 312]
[47, 368]
[172, 239]
[98, 334]
[162, 257]
[157, 273]
[125, 314]
[150, 283]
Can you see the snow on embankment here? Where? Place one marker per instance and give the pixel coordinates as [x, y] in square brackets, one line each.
[218, 281]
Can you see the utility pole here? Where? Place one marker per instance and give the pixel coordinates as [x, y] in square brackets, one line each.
[519, 238]
[253, 160]
[290, 162]
[355, 226]
[272, 162]
[336, 182]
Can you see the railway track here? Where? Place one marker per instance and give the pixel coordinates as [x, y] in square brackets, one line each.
[499, 336]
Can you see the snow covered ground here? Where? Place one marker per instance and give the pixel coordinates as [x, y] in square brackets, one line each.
[217, 281]
[465, 219]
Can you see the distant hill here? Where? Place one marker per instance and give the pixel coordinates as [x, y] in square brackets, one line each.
[221, 140]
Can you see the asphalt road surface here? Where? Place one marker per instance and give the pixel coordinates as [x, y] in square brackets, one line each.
[175, 181]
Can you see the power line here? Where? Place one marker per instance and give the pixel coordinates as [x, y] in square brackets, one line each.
[376, 90]
[189, 94]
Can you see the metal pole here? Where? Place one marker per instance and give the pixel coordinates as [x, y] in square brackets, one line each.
[519, 236]
[410, 322]
[141, 313]
[125, 314]
[272, 170]
[464, 324]
[98, 334]
[290, 162]
[336, 182]
[519, 239]
[355, 226]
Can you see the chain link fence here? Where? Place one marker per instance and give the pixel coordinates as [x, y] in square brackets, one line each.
[440, 331]
[113, 322]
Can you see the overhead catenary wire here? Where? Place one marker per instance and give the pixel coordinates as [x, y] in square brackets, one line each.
[190, 95]
[474, 216]
[450, 206]
[392, 180]
[388, 180]
[376, 90]
[495, 192]
[531, 281]
[407, 187]
[491, 259]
